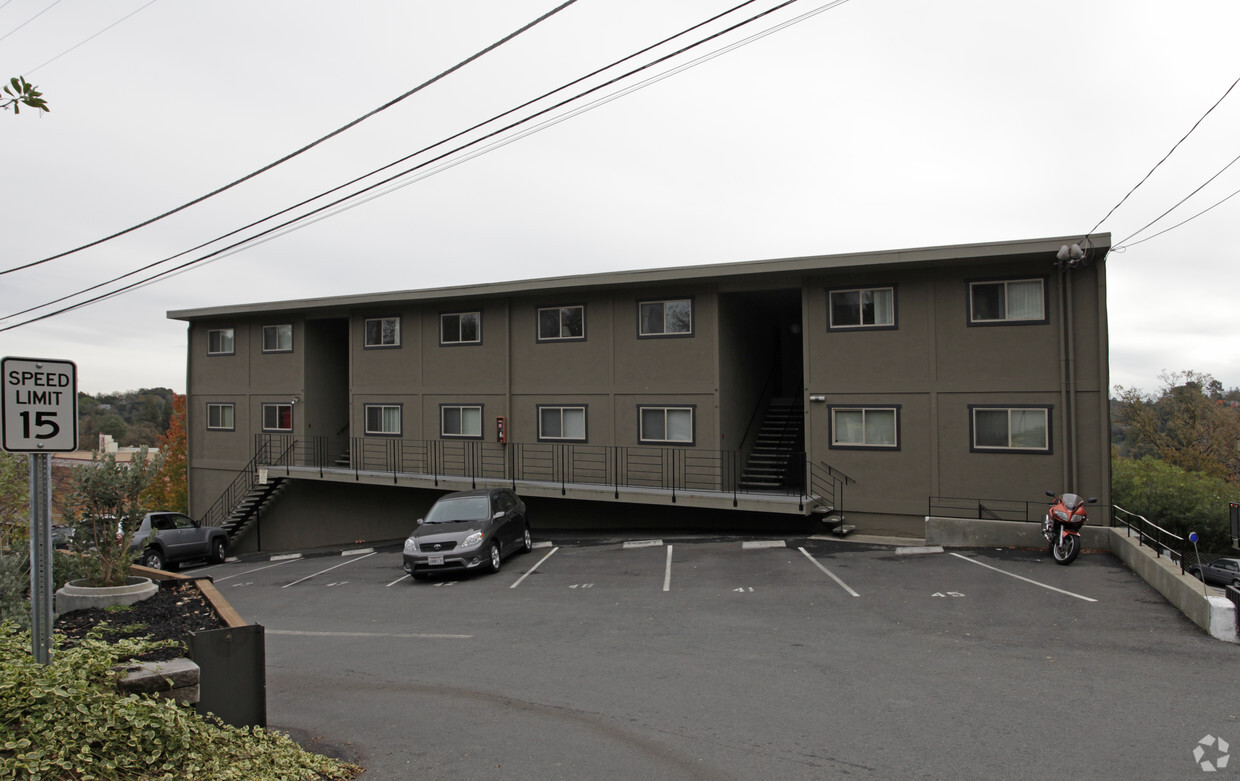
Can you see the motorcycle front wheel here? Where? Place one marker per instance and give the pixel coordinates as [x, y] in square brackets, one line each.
[1066, 548]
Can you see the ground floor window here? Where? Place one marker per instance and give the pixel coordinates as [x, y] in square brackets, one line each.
[277, 417]
[562, 423]
[662, 425]
[1011, 429]
[221, 417]
[460, 421]
[871, 427]
[383, 419]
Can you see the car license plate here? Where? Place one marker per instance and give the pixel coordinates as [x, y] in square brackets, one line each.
[435, 561]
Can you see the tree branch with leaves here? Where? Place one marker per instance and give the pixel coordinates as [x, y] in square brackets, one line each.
[20, 93]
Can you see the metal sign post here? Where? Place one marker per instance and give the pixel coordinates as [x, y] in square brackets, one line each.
[38, 414]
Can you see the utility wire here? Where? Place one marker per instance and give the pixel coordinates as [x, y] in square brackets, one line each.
[1122, 246]
[1164, 159]
[394, 163]
[1179, 203]
[91, 38]
[31, 19]
[305, 148]
[267, 234]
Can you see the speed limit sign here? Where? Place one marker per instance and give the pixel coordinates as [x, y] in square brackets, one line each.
[39, 406]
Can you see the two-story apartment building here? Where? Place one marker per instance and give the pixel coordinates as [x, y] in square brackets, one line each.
[872, 386]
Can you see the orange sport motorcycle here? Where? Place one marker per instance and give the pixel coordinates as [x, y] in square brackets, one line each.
[1062, 526]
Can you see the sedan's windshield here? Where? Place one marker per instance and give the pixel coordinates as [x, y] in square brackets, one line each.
[467, 508]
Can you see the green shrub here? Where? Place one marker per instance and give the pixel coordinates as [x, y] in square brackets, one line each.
[66, 720]
[1175, 499]
[15, 581]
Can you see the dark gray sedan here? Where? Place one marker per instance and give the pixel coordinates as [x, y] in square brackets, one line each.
[1220, 572]
[468, 530]
[167, 539]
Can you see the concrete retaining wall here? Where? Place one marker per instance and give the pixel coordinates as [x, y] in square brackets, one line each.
[1215, 614]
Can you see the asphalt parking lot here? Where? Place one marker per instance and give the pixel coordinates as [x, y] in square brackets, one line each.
[733, 658]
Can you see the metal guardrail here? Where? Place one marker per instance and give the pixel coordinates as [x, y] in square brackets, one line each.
[672, 469]
[987, 509]
[1164, 542]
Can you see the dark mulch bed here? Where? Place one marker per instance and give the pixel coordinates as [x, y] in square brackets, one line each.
[171, 614]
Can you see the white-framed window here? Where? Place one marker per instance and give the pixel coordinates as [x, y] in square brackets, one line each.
[1008, 301]
[862, 307]
[382, 419]
[278, 338]
[670, 317]
[556, 424]
[1011, 429]
[561, 323]
[277, 417]
[460, 328]
[381, 332]
[460, 421]
[865, 427]
[221, 416]
[665, 425]
[221, 341]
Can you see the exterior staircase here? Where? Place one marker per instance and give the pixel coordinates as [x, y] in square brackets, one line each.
[778, 453]
[251, 505]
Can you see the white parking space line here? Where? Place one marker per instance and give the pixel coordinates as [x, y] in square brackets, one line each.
[423, 636]
[329, 569]
[760, 544]
[829, 573]
[256, 569]
[398, 580]
[667, 571]
[530, 571]
[1019, 577]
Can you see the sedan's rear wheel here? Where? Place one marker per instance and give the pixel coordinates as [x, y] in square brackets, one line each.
[496, 559]
[527, 542]
[219, 551]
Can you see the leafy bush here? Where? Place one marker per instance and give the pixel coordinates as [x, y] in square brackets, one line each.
[66, 720]
[1175, 499]
[15, 581]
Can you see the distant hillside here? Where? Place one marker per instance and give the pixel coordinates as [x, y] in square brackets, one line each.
[134, 417]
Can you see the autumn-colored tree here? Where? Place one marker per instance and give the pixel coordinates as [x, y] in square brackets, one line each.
[170, 488]
[1191, 424]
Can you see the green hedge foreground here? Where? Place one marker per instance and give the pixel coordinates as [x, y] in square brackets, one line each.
[66, 720]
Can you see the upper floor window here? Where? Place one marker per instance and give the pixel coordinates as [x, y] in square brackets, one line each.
[665, 425]
[221, 417]
[382, 332]
[1007, 301]
[383, 419]
[1013, 429]
[561, 323]
[278, 338]
[562, 423]
[221, 341]
[460, 328]
[673, 317]
[460, 420]
[277, 417]
[873, 307]
[876, 427]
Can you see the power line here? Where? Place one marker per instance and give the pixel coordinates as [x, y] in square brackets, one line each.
[267, 234]
[31, 19]
[1123, 245]
[1164, 159]
[91, 38]
[305, 148]
[1180, 203]
[406, 158]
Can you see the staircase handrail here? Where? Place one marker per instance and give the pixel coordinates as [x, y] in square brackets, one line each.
[239, 487]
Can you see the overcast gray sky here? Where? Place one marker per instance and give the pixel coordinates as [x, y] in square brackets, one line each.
[875, 124]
